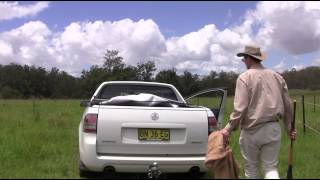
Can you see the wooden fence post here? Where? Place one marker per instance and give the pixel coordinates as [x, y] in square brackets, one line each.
[303, 116]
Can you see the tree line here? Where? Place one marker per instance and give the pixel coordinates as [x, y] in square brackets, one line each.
[17, 81]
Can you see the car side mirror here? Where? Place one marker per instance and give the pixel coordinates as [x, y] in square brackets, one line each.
[84, 103]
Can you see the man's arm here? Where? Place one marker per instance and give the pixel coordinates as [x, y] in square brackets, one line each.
[288, 110]
[241, 102]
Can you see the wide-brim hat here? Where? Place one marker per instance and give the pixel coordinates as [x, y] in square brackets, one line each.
[254, 52]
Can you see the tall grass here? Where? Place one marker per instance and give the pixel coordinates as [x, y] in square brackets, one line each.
[41, 141]
[43, 144]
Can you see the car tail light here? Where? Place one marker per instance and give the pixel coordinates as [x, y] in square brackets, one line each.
[212, 124]
[90, 123]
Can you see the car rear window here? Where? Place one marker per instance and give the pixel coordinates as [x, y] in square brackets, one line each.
[112, 90]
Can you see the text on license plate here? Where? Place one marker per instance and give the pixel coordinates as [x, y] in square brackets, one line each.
[154, 134]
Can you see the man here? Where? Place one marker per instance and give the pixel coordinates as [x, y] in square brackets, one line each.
[261, 99]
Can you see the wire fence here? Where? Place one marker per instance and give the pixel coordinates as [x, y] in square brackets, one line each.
[308, 112]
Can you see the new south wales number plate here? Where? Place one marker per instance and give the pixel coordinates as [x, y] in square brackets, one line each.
[154, 134]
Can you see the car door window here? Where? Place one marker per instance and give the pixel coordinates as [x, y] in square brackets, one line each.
[214, 99]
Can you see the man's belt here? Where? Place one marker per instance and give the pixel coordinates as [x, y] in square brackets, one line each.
[272, 121]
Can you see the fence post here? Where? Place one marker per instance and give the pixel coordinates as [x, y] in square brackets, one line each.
[314, 103]
[33, 105]
[303, 116]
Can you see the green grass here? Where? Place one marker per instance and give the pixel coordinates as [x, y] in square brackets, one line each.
[44, 144]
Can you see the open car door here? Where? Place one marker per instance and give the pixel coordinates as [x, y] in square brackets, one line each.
[214, 99]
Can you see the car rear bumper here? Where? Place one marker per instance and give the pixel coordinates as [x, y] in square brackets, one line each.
[138, 164]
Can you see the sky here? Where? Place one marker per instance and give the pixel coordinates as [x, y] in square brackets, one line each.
[194, 36]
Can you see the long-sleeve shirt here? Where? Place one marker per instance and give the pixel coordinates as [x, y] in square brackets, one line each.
[261, 95]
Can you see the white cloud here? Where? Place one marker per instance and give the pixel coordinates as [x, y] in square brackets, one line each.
[5, 49]
[188, 65]
[316, 62]
[291, 26]
[205, 50]
[81, 44]
[298, 67]
[11, 10]
[280, 67]
[135, 41]
[27, 44]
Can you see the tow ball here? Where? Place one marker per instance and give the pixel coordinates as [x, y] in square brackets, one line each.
[154, 171]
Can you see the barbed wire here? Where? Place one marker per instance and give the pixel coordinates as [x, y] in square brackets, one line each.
[314, 130]
[307, 126]
[318, 105]
[309, 103]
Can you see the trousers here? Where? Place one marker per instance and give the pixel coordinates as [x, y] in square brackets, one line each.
[261, 145]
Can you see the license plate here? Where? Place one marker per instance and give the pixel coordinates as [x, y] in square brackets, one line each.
[154, 134]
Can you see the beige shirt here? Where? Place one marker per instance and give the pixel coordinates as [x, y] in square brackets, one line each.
[261, 96]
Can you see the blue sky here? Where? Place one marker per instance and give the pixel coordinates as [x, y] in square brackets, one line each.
[175, 18]
[191, 35]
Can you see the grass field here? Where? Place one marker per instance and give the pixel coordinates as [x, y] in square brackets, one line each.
[43, 144]
[41, 141]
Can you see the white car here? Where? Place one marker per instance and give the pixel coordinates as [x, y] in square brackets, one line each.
[146, 127]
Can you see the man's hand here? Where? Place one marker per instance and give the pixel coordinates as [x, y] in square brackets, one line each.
[292, 134]
[226, 135]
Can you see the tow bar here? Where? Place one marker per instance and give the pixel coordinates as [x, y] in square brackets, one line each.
[153, 171]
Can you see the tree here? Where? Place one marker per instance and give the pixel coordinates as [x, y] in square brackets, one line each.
[9, 93]
[209, 81]
[18, 81]
[169, 76]
[91, 79]
[145, 70]
[189, 83]
[113, 62]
